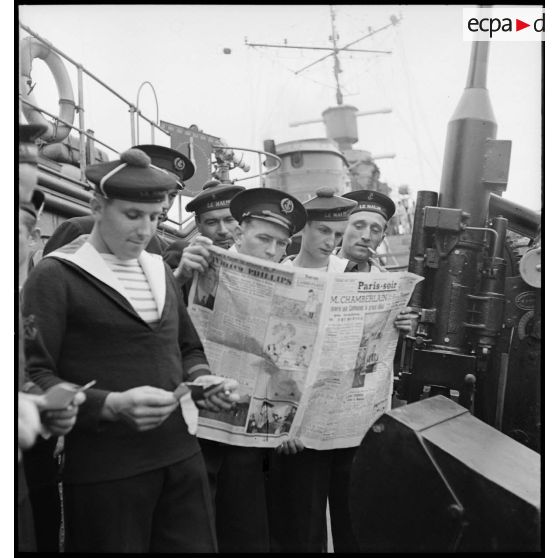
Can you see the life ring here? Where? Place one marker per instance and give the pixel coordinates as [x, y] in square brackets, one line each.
[31, 48]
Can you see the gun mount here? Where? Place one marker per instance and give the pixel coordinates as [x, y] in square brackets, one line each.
[478, 319]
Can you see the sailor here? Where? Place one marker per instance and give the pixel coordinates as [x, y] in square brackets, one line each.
[40, 465]
[28, 160]
[29, 233]
[175, 163]
[327, 221]
[302, 482]
[364, 233]
[170, 160]
[215, 224]
[366, 229]
[29, 421]
[134, 477]
[32, 419]
[267, 218]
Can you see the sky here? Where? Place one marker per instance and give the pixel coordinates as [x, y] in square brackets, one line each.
[253, 94]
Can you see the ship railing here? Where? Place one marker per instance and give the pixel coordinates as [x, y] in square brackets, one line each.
[184, 222]
[85, 134]
[133, 109]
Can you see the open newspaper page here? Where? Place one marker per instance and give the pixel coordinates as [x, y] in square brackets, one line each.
[353, 377]
[258, 322]
[310, 361]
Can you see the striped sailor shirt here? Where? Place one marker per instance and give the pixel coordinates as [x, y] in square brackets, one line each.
[135, 283]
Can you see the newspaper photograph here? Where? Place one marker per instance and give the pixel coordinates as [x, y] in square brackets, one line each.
[312, 351]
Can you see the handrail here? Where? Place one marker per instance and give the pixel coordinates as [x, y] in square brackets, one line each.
[70, 125]
[134, 122]
[139, 113]
[254, 151]
[91, 75]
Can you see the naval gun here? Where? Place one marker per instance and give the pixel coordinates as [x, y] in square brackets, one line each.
[435, 475]
[478, 331]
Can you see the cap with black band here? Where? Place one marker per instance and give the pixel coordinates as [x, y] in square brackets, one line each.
[371, 200]
[171, 161]
[214, 195]
[269, 204]
[326, 206]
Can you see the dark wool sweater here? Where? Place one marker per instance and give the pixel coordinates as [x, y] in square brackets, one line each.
[91, 332]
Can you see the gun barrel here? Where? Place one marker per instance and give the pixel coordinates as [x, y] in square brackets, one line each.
[521, 220]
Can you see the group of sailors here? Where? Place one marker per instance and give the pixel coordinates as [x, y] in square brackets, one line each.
[108, 302]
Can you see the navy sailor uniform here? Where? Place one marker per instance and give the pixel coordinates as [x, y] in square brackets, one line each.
[91, 332]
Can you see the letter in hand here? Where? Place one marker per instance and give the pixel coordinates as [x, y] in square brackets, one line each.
[195, 257]
[219, 393]
[59, 406]
[143, 408]
[62, 395]
[198, 391]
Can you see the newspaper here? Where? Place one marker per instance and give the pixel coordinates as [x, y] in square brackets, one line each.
[312, 351]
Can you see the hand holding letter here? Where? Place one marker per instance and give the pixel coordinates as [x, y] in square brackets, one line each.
[60, 421]
[143, 408]
[220, 393]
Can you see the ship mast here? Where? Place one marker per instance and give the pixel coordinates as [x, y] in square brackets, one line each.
[333, 50]
[336, 63]
[341, 120]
